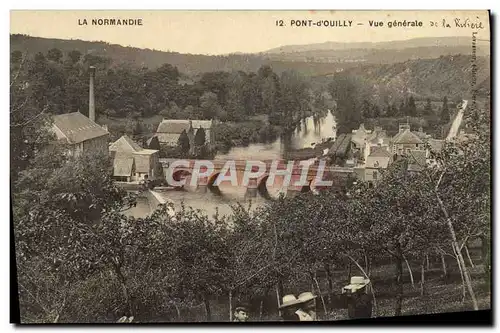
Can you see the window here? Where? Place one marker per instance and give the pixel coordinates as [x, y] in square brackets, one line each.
[376, 164]
[375, 175]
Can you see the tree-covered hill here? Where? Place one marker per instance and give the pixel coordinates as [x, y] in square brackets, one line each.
[423, 78]
[190, 64]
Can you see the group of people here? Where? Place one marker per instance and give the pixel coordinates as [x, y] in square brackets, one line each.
[303, 307]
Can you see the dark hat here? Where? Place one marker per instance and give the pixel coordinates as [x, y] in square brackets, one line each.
[241, 307]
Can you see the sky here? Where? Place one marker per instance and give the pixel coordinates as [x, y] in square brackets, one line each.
[223, 32]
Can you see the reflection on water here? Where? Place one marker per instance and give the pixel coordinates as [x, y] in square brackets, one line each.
[308, 134]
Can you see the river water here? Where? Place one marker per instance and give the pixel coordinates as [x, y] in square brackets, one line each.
[306, 136]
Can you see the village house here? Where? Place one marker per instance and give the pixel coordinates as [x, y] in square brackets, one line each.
[379, 138]
[380, 158]
[133, 163]
[406, 140]
[80, 133]
[359, 138]
[339, 152]
[169, 131]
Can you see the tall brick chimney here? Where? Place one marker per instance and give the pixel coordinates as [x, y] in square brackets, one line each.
[91, 94]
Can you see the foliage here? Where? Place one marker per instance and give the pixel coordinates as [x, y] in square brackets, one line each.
[183, 142]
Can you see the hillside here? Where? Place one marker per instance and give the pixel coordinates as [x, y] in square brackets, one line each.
[378, 53]
[327, 59]
[190, 64]
[392, 45]
[435, 78]
[376, 56]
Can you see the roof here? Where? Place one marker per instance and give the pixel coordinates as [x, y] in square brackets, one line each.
[341, 145]
[76, 128]
[170, 138]
[421, 135]
[379, 152]
[146, 151]
[206, 124]
[125, 144]
[436, 145]
[122, 166]
[178, 125]
[407, 137]
[417, 160]
[377, 161]
[379, 136]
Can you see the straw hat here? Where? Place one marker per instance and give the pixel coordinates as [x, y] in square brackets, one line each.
[289, 300]
[306, 297]
[357, 282]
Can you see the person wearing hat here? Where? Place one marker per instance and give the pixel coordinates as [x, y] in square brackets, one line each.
[308, 300]
[291, 308]
[241, 313]
[359, 304]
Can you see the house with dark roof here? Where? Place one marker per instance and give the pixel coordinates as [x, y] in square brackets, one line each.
[132, 163]
[79, 133]
[169, 131]
[339, 151]
[405, 141]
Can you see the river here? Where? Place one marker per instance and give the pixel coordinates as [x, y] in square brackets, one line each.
[308, 134]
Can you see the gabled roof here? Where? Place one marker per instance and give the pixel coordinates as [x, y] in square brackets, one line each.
[379, 136]
[125, 144]
[178, 125]
[341, 145]
[379, 152]
[407, 137]
[436, 145]
[76, 128]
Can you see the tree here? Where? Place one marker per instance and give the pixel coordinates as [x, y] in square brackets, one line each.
[199, 138]
[16, 57]
[445, 112]
[54, 54]
[209, 105]
[348, 91]
[294, 100]
[29, 119]
[366, 109]
[74, 56]
[402, 108]
[183, 143]
[217, 83]
[428, 108]
[411, 107]
[168, 72]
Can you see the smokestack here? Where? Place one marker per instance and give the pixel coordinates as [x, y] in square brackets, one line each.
[91, 94]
